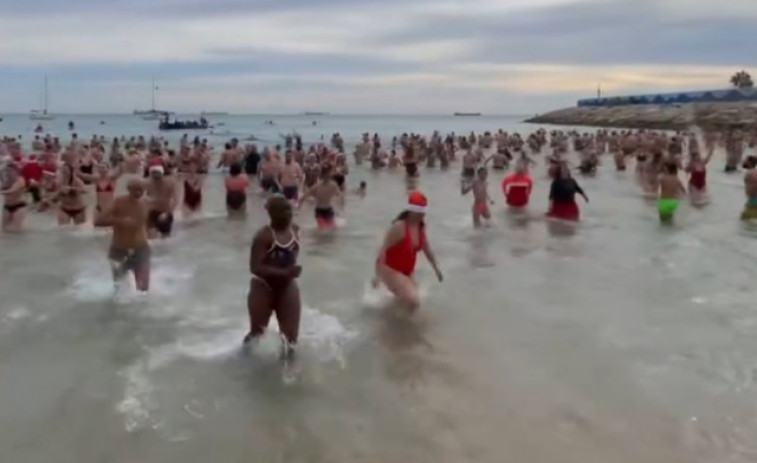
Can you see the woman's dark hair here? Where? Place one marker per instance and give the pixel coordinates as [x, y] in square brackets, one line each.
[227, 146]
[403, 216]
[235, 169]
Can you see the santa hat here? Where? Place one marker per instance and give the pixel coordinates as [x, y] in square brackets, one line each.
[417, 202]
[155, 161]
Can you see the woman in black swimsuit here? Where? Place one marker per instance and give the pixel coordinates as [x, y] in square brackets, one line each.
[71, 191]
[14, 207]
[273, 264]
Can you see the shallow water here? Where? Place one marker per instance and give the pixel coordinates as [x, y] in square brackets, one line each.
[618, 340]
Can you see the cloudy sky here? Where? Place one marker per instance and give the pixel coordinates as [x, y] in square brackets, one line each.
[364, 56]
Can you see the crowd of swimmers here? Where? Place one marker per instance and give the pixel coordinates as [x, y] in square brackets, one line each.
[138, 184]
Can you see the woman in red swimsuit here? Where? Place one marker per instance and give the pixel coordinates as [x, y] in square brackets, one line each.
[697, 169]
[396, 258]
[104, 188]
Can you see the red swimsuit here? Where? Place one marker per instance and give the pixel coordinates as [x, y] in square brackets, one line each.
[401, 256]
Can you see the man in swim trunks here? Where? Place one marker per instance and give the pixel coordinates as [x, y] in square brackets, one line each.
[671, 188]
[161, 197]
[274, 268]
[469, 169]
[269, 169]
[129, 249]
[481, 199]
[324, 193]
[290, 177]
[750, 188]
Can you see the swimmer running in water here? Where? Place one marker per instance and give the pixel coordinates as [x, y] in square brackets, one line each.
[14, 207]
[517, 186]
[274, 268]
[481, 199]
[324, 193]
[395, 263]
[562, 195]
[671, 190]
[129, 249]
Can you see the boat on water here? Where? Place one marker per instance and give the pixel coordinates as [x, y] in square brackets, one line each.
[467, 114]
[165, 124]
[42, 115]
[151, 114]
[213, 113]
[314, 113]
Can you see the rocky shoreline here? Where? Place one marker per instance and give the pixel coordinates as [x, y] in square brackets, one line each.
[659, 117]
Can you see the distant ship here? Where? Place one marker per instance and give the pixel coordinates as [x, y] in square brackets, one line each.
[314, 113]
[213, 113]
[467, 114]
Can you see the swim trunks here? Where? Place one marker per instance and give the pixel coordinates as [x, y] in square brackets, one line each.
[291, 192]
[324, 216]
[135, 260]
[481, 208]
[163, 226]
[667, 207]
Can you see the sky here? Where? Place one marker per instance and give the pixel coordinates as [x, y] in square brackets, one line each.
[363, 56]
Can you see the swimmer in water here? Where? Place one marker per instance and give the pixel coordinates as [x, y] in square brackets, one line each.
[161, 196]
[236, 191]
[274, 269]
[750, 188]
[14, 207]
[481, 199]
[697, 169]
[517, 186]
[362, 189]
[562, 195]
[129, 249]
[671, 189]
[324, 193]
[395, 263]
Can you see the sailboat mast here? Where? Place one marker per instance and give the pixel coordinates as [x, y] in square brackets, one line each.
[45, 96]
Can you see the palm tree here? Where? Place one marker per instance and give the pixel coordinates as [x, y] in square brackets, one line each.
[742, 79]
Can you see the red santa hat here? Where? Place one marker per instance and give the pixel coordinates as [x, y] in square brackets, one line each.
[417, 202]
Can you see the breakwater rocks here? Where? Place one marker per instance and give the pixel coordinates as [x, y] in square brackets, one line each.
[659, 117]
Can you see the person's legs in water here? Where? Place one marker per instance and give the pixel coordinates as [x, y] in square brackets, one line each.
[259, 308]
[287, 307]
[402, 286]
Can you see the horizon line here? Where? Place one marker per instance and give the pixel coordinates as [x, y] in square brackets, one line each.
[228, 114]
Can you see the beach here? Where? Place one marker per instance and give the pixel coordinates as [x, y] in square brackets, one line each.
[617, 340]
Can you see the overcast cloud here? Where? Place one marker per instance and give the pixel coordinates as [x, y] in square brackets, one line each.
[364, 56]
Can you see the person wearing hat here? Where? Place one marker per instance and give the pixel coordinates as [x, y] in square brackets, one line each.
[161, 197]
[395, 264]
[14, 207]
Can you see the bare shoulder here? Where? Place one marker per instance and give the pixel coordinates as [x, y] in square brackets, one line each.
[263, 235]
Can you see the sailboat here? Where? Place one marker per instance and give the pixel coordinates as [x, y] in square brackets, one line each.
[37, 115]
[152, 114]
